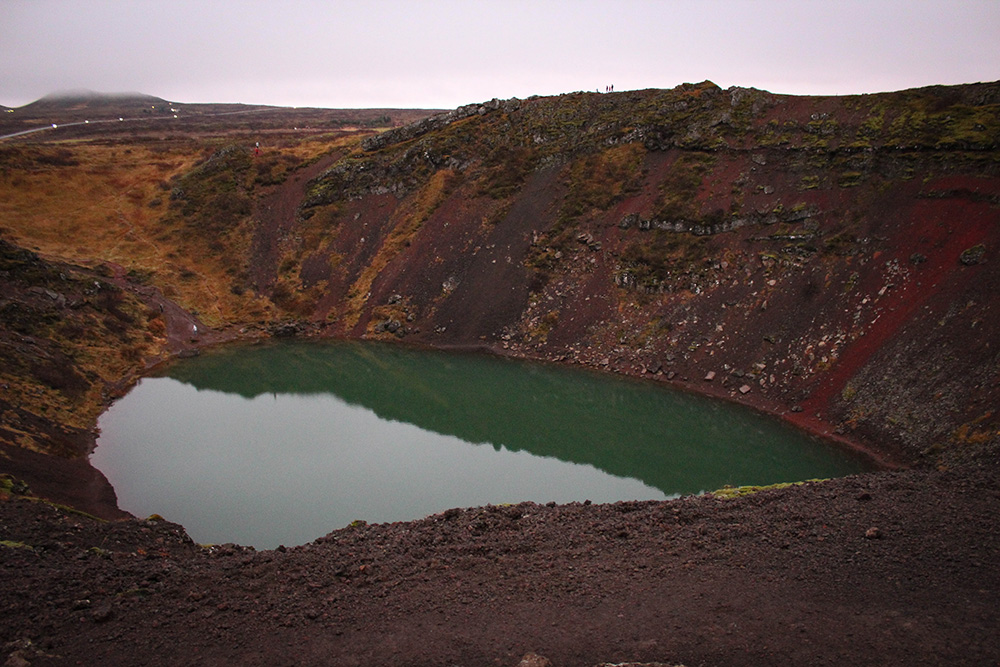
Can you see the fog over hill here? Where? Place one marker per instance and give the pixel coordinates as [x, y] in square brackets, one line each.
[82, 95]
[92, 101]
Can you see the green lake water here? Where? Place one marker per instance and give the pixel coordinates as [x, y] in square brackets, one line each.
[282, 443]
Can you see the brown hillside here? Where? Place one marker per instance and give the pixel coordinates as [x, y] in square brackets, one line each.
[827, 259]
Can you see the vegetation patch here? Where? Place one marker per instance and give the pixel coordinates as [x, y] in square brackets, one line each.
[810, 182]
[678, 192]
[13, 486]
[597, 181]
[11, 544]
[663, 261]
[539, 329]
[505, 169]
[850, 179]
[729, 492]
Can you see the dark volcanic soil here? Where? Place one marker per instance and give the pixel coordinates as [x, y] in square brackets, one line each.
[893, 568]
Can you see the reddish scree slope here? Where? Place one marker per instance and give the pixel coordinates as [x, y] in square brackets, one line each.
[849, 287]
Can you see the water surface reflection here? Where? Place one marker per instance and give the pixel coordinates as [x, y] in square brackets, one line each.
[279, 444]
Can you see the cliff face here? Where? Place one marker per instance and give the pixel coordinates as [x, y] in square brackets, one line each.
[830, 258]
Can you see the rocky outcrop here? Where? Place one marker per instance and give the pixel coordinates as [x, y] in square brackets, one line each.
[437, 122]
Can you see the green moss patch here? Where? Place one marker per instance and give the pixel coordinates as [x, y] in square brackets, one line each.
[739, 491]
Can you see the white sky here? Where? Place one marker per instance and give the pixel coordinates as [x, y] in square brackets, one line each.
[445, 53]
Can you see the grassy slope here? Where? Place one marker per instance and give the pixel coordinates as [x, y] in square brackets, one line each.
[179, 217]
[70, 337]
[91, 230]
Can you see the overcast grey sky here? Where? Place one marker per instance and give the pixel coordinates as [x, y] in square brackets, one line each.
[444, 53]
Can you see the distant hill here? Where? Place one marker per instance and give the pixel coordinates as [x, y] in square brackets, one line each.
[89, 99]
[78, 105]
[79, 113]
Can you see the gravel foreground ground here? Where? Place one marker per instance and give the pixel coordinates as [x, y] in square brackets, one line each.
[883, 568]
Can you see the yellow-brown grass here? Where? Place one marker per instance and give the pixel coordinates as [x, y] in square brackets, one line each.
[107, 204]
